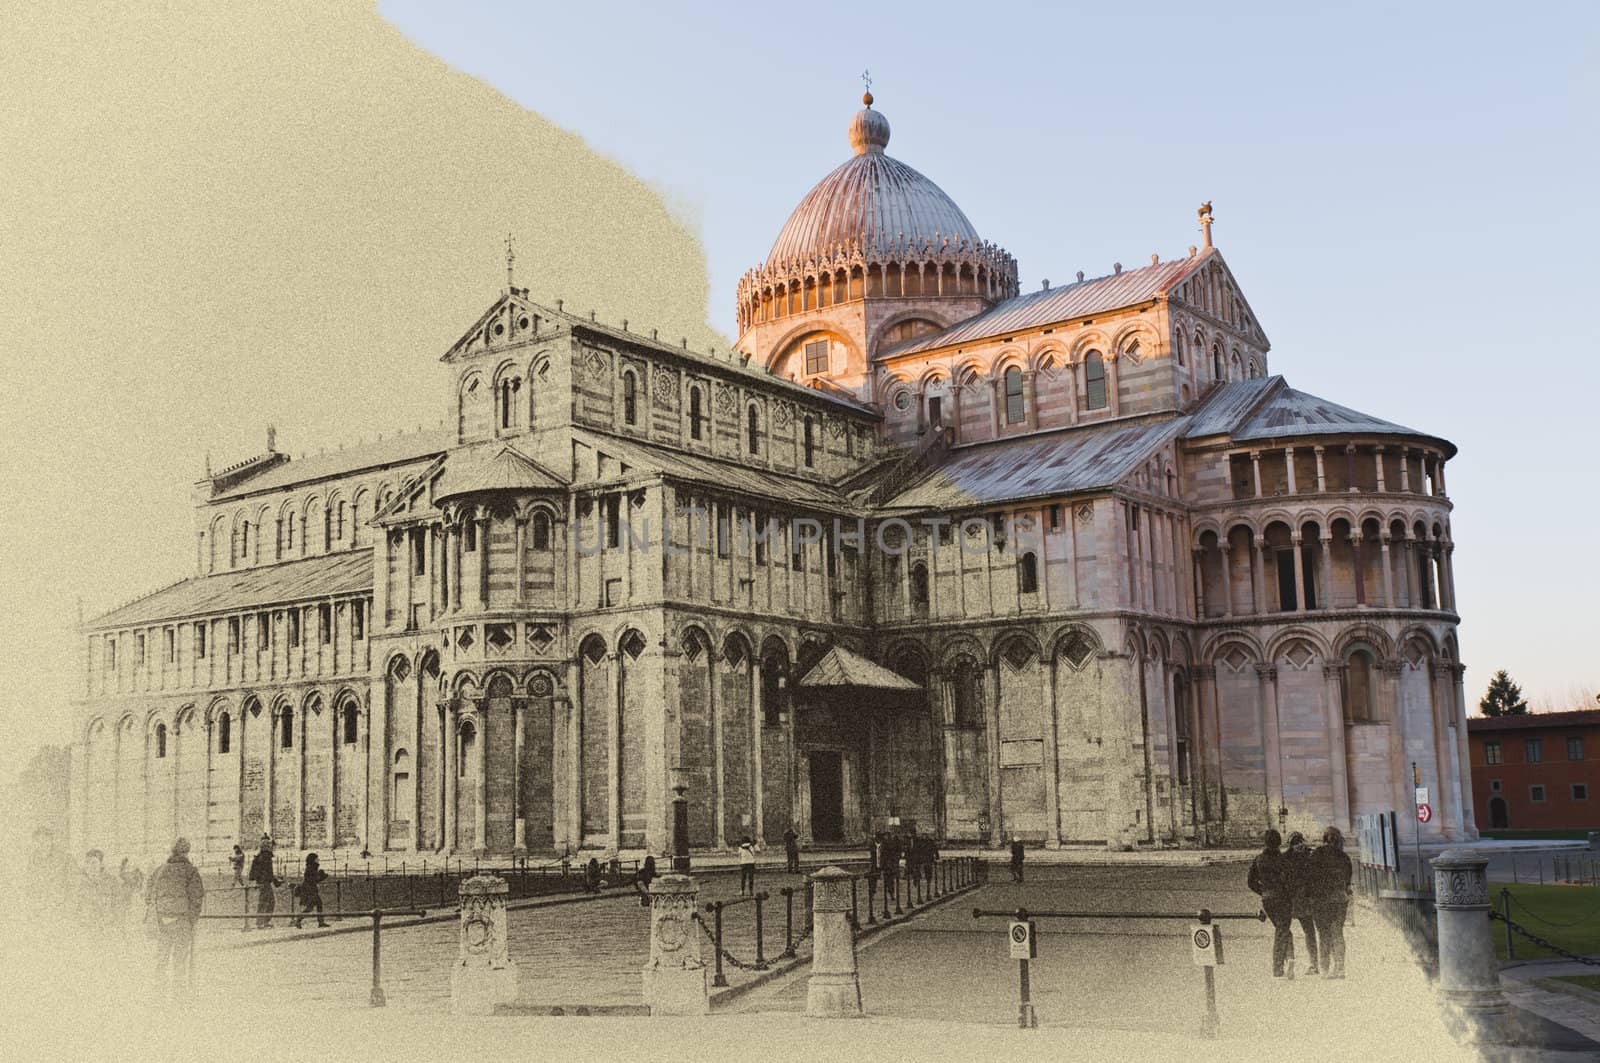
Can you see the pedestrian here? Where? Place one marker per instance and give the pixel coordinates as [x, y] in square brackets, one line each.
[174, 900]
[1017, 855]
[1297, 882]
[98, 893]
[265, 878]
[747, 867]
[875, 853]
[1266, 878]
[237, 860]
[591, 876]
[1330, 899]
[791, 850]
[310, 892]
[642, 879]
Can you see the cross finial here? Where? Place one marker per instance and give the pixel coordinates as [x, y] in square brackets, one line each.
[866, 79]
[511, 257]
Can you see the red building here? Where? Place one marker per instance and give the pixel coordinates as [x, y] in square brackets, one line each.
[1538, 771]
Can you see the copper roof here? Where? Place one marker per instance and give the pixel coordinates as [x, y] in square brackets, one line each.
[347, 572]
[840, 667]
[377, 454]
[1044, 307]
[1529, 720]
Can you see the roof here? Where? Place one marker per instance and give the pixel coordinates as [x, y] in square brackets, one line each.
[506, 470]
[394, 450]
[1287, 412]
[1535, 720]
[347, 572]
[1054, 463]
[1043, 307]
[840, 667]
[1228, 405]
[715, 472]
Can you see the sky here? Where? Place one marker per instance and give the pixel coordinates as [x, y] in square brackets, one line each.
[215, 220]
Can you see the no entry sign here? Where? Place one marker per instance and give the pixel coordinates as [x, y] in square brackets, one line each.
[1424, 813]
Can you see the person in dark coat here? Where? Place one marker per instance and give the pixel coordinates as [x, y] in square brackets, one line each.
[1297, 880]
[1018, 853]
[174, 898]
[265, 879]
[791, 850]
[1267, 878]
[310, 892]
[591, 875]
[642, 879]
[1330, 898]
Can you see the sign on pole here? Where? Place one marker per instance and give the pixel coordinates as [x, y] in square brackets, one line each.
[1424, 812]
[1024, 940]
[1205, 942]
[1422, 795]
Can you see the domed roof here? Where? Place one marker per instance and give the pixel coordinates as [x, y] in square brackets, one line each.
[871, 203]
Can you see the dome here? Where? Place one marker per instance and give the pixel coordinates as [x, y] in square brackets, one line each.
[870, 204]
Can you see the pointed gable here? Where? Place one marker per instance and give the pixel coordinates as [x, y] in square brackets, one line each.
[512, 319]
[505, 470]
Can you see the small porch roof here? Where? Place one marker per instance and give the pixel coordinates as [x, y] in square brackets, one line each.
[840, 668]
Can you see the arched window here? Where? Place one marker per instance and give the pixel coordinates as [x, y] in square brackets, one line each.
[401, 787]
[696, 418]
[630, 398]
[1177, 349]
[1028, 574]
[1015, 414]
[1216, 362]
[161, 740]
[286, 729]
[753, 429]
[1094, 381]
[352, 724]
[966, 681]
[288, 534]
[919, 585]
[338, 526]
[1358, 705]
[224, 733]
[541, 530]
[809, 443]
[469, 743]
[244, 543]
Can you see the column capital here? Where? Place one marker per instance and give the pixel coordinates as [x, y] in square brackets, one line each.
[1203, 671]
[1267, 673]
[1333, 671]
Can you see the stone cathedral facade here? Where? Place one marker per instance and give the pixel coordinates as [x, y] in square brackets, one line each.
[923, 551]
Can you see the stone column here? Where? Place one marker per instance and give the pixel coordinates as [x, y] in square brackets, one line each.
[1255, 471]
[521, 576]
[1447, 574]
[1258, 569]
[1350, 467]
[675, 981]
[994, 409]
[1288, 467]
[955, 412]
[1469, 973]
[714, 710]
[452, 772]
[453, 552]
[1198, 569]
[991, 723]
[1030, 403]
[1113, 366]
[480, 822]
[484, 974]
[1227, 576]
[332, 815]
[1272, 748]
[758, 721]
[1322, 479]
[834, 990]
[1405, 470]
[1338, 759]
[1356, 565]
[481, 594]
[1052, 781]
[1298, 563]
[1388, 571]
[519, 826]
[1409, 560]
[1377, 461]
[300, 771]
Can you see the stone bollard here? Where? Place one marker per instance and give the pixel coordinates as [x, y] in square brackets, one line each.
[835, 987]
[1469, 973]
[484, 975]
[675, 981]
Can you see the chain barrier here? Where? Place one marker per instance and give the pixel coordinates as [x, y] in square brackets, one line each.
[726, 955]
[1539, 918]
[1542, 943]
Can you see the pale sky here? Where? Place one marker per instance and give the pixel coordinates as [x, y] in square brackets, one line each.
[216, 220]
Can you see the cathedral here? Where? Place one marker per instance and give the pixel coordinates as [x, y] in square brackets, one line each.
[922, 552]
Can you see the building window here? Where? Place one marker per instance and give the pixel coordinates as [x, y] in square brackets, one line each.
[1533, 751]
[696, 418]
[1216, 362]
[470, 538]
[161, 740]
[294, 627]
[419, 552]
[1028, 574]
[1358, 688]
[111, 655]
[1574, 749]
[722, 520]
[1015, 414]
[1494, 786]
[233, 635]
[286, 729]
[797, 550]
[1536, 793]
[1491, 752]
[541, 531]
[1580, 791]
[817, 356]
[263, 631]
[967, 695]
[358, 620]
[760, 532]
[170, 637]
[1055, 518]
[351, 724]
[224, 733]
[919, 585]
[138, 646]
[809, 443]
[469, 742]
[630, 398]
[200, 640]
[612, 504]
[1094, 381]
[753, 430]
[325, 623]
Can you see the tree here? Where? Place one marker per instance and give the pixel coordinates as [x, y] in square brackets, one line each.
[1504, 698]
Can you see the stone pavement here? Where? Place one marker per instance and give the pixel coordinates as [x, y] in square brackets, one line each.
[1568, 1005]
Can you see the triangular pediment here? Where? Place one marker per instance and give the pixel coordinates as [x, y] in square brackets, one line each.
[511, 320]
[1211, 270]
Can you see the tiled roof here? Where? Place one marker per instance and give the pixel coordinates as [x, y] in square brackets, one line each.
[1525, 721]
[1288, 412]
[840, 667]
[1229, 404]
[1072, 459]
[1092, 296]
[347, 572]
[713, 472]
[505, 470]
[376, 454]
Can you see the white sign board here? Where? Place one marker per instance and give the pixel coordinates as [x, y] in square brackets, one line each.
[1205, 944]
[1021, 937]
[1422, 796]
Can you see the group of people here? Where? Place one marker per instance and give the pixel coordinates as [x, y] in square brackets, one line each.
[896, 855]
[1311, 886]
[264, 876]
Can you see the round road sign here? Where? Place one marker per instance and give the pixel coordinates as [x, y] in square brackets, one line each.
[1019, 933]
[1202, 939]
[1424, 813]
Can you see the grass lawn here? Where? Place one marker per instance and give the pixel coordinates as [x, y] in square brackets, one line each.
[1539, 835]
[1569, 916]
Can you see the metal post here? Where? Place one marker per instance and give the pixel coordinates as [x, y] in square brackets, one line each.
[1211, 1025]
[855, 919]
[761, 956]
[377, 1000]
[788, 920]
[680, 826]
[1026, 1019]
[872, 899]
[1513, 867]
[897, 883]
[720, 979]
[1505, 912]
[885, 893]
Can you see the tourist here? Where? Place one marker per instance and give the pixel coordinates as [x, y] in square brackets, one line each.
[174, 899]
[1297, 883]
[265, 878]
[310, 892]
[791, 850]
[1330, 899]
[98, 893]
[591, 876]
[747, 867]
[237, 860]
[1017, 855]
[1267, 879]
[642, 880]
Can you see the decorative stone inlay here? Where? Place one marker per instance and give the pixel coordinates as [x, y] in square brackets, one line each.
[1460, 880]
[596, 363]
[540, 686]
[667, 388]
[727, 401]
[540, 638]
[1085, 514]
[835, 428]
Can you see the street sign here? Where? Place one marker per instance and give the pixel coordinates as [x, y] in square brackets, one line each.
[1424, 813]
[1422, 796]
[1205, 941]
[1024, 940]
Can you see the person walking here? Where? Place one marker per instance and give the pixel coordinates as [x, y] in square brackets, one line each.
[1018, 853]
[642, 879]
[265, 879]
[237, 861]
[791, 850]
[1330, 899]
[1297, 882]
[591, 875]
[1267, 879]
[174, 899]
[311, 892]
[747, 867]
